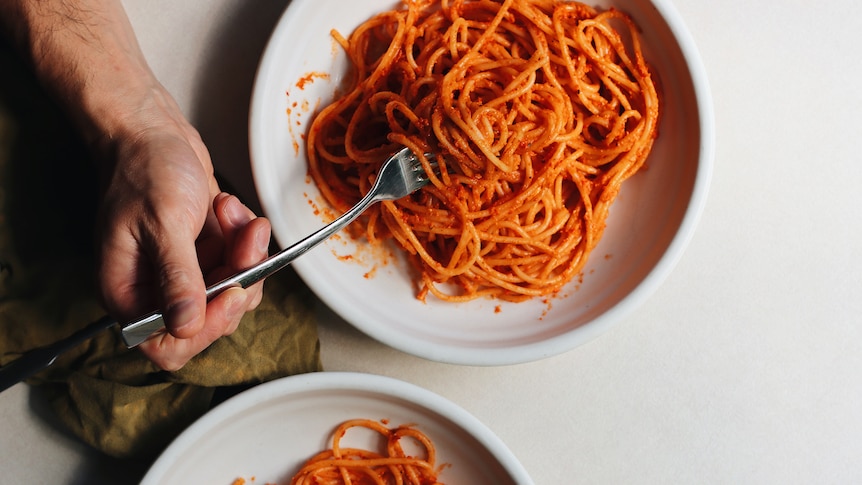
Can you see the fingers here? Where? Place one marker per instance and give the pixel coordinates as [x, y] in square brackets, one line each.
[246, 236]
[154, 206]
[182, 284]
[245, 242]
[223, 314]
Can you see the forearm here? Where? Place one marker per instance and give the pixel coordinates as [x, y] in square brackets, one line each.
[86, 54]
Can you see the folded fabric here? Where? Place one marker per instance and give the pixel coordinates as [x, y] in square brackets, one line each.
[111, 397]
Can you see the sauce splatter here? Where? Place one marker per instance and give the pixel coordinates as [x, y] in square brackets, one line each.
[297, 111]
[310, 77]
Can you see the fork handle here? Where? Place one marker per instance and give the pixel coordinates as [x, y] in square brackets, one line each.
[140, 330]
[35, 360]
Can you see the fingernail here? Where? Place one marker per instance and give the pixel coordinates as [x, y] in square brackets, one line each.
[236, 301]
[181, 314]
[220, 196]
[261, 240]
[237, 213]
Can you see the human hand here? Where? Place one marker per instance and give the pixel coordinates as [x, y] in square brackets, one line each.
[165, 226]
[166, 231]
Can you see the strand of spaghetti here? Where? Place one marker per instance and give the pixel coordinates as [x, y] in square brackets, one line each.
[348, 465]
[467, 239]
[461, 116]
[371, 462]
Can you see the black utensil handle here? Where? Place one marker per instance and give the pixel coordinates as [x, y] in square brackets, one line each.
[33, 361]
[25, 366]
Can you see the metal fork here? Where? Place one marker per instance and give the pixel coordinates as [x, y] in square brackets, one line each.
[401, 175]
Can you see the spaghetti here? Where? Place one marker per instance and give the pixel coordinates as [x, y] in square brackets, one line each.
[356, 466]
[536, 111]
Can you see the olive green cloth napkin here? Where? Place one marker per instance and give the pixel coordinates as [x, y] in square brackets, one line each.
[111, 397]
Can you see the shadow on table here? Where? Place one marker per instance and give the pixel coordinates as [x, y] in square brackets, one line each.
[95, 467]
[221, 107]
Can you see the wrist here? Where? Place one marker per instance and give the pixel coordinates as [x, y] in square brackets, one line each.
[86, 55]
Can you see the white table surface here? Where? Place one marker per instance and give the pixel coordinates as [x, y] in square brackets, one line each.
[744, 367]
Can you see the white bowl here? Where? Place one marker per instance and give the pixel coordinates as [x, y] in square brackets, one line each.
[649, 226]
[269, 431]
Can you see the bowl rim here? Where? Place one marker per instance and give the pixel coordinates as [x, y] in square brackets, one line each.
[308, 383]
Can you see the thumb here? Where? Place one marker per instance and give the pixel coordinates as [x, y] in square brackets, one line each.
[183, 291]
